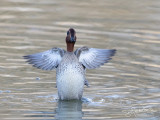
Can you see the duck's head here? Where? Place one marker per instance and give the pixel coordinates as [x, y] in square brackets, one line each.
[71, 36]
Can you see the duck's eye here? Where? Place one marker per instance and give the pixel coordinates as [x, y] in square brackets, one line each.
[68, 33]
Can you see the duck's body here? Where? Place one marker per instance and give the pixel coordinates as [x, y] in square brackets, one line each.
[70, 77]
[70, 66]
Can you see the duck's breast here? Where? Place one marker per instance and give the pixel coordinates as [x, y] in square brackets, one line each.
[70, 78]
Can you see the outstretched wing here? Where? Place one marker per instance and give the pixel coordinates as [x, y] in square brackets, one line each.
[92, 57]
[47, 60]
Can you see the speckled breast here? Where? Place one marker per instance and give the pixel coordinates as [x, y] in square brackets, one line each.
[70, 77]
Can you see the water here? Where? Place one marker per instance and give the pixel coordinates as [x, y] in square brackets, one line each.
[126, 88]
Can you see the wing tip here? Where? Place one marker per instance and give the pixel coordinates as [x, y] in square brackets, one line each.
[113, 52]
[26, 56]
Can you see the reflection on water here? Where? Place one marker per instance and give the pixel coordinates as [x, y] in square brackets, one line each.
[69, 110]
[125, 88]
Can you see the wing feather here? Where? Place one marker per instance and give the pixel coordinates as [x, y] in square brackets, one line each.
[92, 57]
[46, 60]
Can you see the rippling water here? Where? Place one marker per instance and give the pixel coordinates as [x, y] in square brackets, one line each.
[127, 88]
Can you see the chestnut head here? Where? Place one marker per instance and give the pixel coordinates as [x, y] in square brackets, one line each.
[71, 36]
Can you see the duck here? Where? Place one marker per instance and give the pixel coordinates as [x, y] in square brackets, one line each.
[70, 65]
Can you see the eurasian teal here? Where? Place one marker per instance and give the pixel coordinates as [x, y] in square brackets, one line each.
[70, 66]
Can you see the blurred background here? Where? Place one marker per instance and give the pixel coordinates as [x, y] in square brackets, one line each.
[126, 88]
